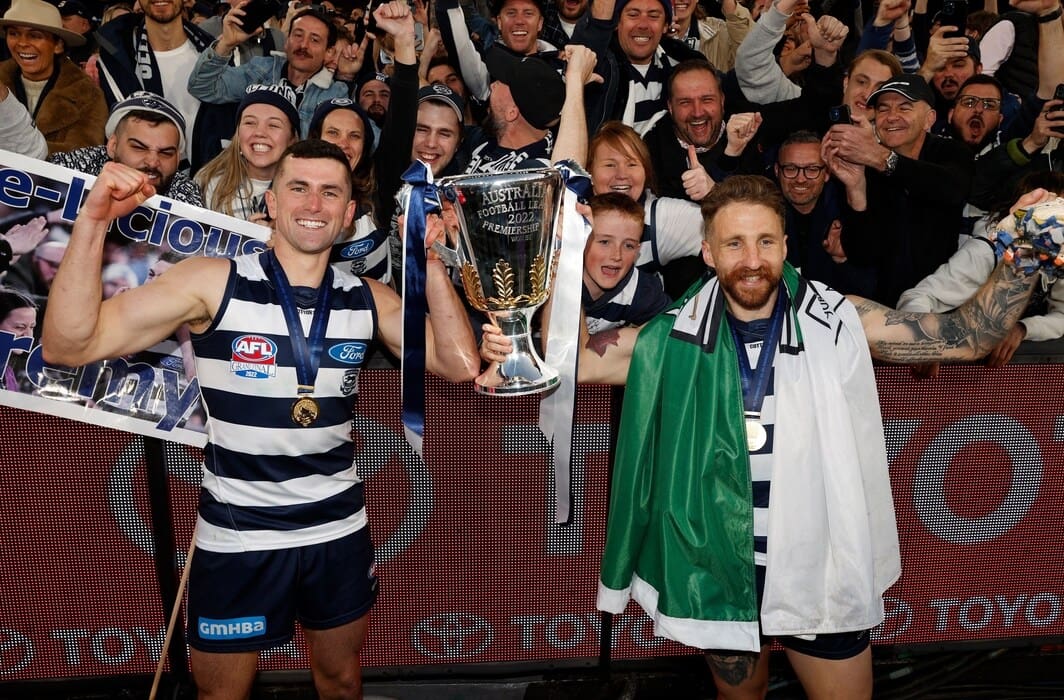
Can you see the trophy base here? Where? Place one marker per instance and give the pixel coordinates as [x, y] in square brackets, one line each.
[497, 380]
[522, 372]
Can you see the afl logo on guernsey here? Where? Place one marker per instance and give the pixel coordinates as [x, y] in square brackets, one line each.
[254, 357]
[348, 353]
[357, 249]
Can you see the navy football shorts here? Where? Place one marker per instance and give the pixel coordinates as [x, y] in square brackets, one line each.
[249, 601]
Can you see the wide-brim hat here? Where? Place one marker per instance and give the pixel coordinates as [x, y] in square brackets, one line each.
[40, 15]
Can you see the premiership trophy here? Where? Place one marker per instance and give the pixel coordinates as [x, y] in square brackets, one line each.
[509, 225]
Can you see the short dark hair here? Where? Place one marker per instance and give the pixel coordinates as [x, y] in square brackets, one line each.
[619, 203]
[321, 17]
[745, 189]
[145, 115]
[317, 148]
[983, 79]
[796, 137]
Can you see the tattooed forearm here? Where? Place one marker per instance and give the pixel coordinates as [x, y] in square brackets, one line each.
[968, 333]
[733, 669]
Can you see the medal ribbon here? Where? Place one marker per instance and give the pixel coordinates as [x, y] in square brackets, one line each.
[306, 351]
[422, 199]
[556, 408]
[755, 380]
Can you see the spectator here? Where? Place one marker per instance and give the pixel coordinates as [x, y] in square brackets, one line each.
[716, 39]
[527, 98]
[34, 274]
[690, 146]
[635, 59]
[263, 43]
[301, 69]
[813, 216]
[519, 22]
[78, 18]
[561, 20]
[615, 293]
[17, 132]
[235, 182]
[619, 162]
[155, 50]
[342, 122]
[64, 104]
[147, 133]
[905, 193]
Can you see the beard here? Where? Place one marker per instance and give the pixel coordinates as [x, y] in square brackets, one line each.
[750, 298]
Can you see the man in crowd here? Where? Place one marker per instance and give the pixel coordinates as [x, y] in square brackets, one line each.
[635, 59]
[813, 216]
[147, 133]
[905, 192]
[302, 67]
[282, 532]
[527, 99]
[155, 50]
[690, 147]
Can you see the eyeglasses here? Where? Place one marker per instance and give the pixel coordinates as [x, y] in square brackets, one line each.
[990, 104]
[811, 172]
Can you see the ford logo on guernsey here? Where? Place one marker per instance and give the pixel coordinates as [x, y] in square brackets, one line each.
[233, 628]
[348, 353]
[357, 249]
[254, 357]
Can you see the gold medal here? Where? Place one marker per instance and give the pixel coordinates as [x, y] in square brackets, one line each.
[756, 436]
[305, 411]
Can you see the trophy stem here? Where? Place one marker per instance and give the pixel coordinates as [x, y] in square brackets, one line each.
[522, 372]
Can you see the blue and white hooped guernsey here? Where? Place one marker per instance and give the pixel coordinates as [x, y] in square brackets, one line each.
[267, 482]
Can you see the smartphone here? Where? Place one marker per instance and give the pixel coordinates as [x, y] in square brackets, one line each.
[955, 14]
[257, 12]
[840, 115]
[1057, 114]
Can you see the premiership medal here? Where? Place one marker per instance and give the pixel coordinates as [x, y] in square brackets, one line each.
[756, 435]
[305, 411]
[754, 380]
[306, 351]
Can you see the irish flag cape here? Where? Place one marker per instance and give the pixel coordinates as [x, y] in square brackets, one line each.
[680, 531]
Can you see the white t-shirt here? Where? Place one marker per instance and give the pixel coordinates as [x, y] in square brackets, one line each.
[175, 66]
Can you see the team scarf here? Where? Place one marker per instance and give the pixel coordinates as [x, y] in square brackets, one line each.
[680, 531]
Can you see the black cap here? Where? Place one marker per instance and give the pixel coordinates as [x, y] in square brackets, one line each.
[909, 85]
[69, 8]
[538, 90]
[438, 92]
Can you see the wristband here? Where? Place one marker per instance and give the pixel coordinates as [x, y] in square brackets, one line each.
[1054, 15]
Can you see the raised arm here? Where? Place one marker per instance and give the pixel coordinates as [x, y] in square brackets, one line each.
[450, 348]
[78, 327]
[968, 333]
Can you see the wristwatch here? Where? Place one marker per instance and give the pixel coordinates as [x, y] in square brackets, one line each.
[891, 164]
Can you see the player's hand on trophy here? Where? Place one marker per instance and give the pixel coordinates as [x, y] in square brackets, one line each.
[494, 346]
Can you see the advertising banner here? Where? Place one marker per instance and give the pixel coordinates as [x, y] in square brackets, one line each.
[473, 569]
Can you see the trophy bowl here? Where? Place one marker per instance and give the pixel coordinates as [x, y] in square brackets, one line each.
[509, 226]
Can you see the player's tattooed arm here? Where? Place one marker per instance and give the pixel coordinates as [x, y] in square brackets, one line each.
[968, 333]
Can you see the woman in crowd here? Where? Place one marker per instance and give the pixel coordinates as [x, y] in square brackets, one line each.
[235, 180]
[619, 162]
[63, 102]
[342, 122]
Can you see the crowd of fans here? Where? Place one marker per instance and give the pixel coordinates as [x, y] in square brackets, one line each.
[897, 131]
